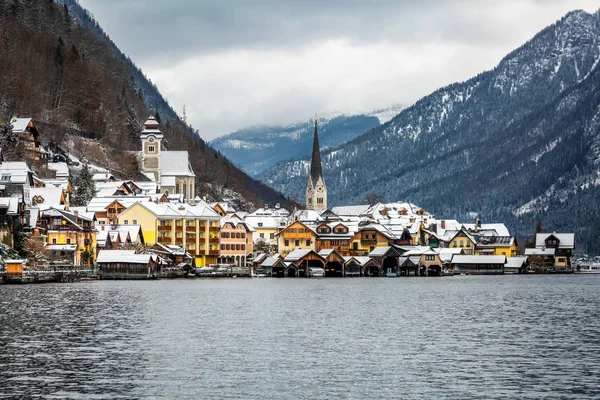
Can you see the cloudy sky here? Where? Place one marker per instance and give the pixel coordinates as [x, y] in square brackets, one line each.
[235, 63]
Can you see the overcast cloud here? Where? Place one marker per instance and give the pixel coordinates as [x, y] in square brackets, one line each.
[235, 63]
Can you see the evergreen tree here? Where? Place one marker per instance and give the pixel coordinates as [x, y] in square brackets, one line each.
[86, 188]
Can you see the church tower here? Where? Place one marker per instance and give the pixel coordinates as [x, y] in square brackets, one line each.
[151, 140]
[316, 192]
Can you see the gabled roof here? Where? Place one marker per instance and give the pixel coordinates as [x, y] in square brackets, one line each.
[566, 240]
[384, 251]
[124, 256]
[360, 260]
[296, 222]
[20, 124]
[350, 211]
[298, 254]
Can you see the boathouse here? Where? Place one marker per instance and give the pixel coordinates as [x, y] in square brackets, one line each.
[273, 266]
[14, 270]
[478, 265]
[334, 263]
[409, 265]
[354, 265]
[387, 257]
[126, 264]
[301, 262]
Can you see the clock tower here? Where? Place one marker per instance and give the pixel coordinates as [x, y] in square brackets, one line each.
[151, 141]
[316, 191]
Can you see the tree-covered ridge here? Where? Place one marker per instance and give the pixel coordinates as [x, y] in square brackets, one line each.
[59, 67]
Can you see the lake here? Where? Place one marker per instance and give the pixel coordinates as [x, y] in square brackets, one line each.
[462, 337]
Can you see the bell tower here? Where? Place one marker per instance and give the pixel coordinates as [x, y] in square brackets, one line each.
[316, 191]
[151, 142]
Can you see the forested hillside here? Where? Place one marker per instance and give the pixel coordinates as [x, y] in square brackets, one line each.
[515, 144]
[60, 68]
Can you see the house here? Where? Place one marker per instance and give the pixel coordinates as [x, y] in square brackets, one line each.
[562, 243]
[370, 236]
[296, 235]
[126, 264]
[496, 246]
[61, 170]
[540, 259]
[464, 240]
[192, 227]
[235, 242]
[48, 197]
[353, 265]
[273, 266]
[334, 235]
[478, 265]
[70, 236]
[28, 133]
[266, 222]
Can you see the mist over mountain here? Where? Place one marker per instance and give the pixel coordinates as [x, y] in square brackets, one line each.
[255, 149]
[515, 144]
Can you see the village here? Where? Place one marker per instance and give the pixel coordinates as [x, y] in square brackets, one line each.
[160, 228]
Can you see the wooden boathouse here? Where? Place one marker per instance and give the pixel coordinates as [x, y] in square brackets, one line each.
[478, 265]
[301, 262]
[126, 264]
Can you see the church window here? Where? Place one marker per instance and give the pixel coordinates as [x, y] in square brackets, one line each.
[320, 200]
[151, 149]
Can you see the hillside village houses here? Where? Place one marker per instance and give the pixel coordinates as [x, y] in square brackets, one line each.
[163, 216]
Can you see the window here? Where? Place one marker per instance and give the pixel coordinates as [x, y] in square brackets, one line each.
[260, 224]
[262, 235]
[68, 240]
[455, 244]
[307, 242]
[271, 236]
[320, 200]
[151, 149]
[297, 243]
[163, 222]
[126, 222]
[101, 222]
[286, 243]
[355, 246]
[468, 243]
[227, 247]
[237, 247]
[243, 235]
[222, 247]
[430, 258]
[53, 240]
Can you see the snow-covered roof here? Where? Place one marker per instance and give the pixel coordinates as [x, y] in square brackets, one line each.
[175, 163]
[167, 181]
[102, 176]
[566, 240]
[462, 259]
[515, 262]
[539, 251]
[296, 255]
[14, 172]
[61, 168]
[46, 197]
[270, 261]
[350, 211]
[20, 124]
[124, 256]
[61, 247]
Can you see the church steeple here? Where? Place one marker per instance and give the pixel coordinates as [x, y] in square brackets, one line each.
[315, 164]
[316, 192]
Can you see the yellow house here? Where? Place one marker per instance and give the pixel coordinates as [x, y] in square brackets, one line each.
[497, 246]
[371, 236]
[463, 240]
[70, 236]
[193, 227]
[296, 235]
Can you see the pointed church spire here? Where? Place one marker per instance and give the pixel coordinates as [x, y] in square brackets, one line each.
[315, 164]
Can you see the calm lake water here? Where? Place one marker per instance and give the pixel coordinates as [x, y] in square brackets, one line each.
[415, 338]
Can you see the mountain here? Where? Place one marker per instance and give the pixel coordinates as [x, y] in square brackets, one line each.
[257, 148]
[515, 144]
[59, 67]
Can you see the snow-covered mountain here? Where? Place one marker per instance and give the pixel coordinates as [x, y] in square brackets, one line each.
[514, 144]
[257, 148]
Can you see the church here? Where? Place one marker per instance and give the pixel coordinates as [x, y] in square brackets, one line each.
[171, 170]
[316, 191]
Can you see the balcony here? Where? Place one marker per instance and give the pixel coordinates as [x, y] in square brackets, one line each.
[214, 229]
[179, 228]
[190, 240]
[164, 240]
[165, 227]
[368, 241]
[213, 252]
[213, 240]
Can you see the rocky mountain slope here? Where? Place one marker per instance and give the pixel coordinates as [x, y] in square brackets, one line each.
[59, 67]
[516, 144]
[258, 148]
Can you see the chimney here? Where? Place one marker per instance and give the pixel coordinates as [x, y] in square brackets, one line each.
[277, 206]
[266, 206]
[102, 227]
[443, 224]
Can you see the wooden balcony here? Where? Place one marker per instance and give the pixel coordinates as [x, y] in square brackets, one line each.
[213, 252]
[190, 240]
[165, 227]
[214, 229]
[179, 228]
[165, 240]
[213, 240]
